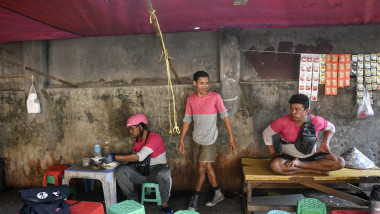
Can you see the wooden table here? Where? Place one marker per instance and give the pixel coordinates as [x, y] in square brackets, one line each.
[258, 175]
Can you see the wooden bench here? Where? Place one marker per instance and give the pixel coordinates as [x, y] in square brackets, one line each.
[256, 174]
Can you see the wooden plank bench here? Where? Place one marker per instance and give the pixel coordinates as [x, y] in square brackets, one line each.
[256, 174]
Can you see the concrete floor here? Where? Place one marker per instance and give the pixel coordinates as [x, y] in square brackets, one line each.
[10, 200]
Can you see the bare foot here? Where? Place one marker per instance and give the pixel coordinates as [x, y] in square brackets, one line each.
[292, 163]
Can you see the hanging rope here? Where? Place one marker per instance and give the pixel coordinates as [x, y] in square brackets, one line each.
[175, 129]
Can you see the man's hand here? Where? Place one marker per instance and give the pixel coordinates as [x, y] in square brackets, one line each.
[274, 154]
[324, 148]
[232, 144]
[181, 147]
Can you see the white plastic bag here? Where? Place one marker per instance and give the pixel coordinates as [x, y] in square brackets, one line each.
[365, 109]
[32, 103]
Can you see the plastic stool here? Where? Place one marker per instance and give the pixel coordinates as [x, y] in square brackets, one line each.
[277, 212]
[57, 172]
[86, 207]
[127, 207]
[186, 212]
[311, 206]
[152, 187]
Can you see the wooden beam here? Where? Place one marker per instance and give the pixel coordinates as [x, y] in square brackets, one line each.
[160, 39]
[36, 72]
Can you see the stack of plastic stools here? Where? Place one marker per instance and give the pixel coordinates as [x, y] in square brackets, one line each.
[311, 206]
[277, 212]
[54, 175]
[186, 212]
[148, 188]
[127, 207]
[85, 207]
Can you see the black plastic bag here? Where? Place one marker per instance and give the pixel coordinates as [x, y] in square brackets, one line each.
[306, 139]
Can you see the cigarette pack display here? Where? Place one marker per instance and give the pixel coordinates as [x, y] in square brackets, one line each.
[368, 86]
[373, 71]
[327, 90]
[373, 64]
[354, 58]
[348, 57]
[334, 91]
[368, 80]
[360, 57]
[360, 64]
[359, 80]
[334, 58]
[374, 86]
[367, 57]
[334, 75]
[367, 64]
[367, 72]
[341, 83]
[347, 74]
[342, 57]
[360, 72]
[373, 57]
[378, 57]
[346, 82]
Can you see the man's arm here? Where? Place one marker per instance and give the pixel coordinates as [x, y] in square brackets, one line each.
[327, 135]
[185, 128]
[131, 157]
[227, 123]
[267, 135]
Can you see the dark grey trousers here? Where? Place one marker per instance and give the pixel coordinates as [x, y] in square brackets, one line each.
[127, 175]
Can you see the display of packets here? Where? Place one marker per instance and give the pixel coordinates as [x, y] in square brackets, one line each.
[309, 75]
[331, 73]
[322, 69]
[367, 70]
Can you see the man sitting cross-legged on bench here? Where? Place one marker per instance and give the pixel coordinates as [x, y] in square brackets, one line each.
[298, 139]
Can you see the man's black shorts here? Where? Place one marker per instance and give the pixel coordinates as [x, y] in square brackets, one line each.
[316, 156]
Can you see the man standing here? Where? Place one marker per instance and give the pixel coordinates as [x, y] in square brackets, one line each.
[202, 107]
[291, 160]
[148, 149]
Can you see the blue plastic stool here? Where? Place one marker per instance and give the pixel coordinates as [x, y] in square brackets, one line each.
[186, 212]
[277, 212]
[311, 206]
[127, 207]
[149, 188]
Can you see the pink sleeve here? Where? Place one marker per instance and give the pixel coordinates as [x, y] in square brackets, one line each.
[277, 125]
[319, 122]
[220, 105]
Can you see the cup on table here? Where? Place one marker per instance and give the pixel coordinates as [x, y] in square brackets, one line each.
[86, 162]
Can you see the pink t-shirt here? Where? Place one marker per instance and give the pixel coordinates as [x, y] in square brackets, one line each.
[154, 142]
[289, 130]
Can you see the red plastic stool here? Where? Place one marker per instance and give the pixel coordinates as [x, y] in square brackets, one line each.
[86, 207]
[57, 172]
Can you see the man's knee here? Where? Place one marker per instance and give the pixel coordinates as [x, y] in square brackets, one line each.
[202, 169]
[340, 162]
[164, 174]
[276, 166]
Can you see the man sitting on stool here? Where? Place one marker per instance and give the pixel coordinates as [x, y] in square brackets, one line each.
[291, 160]
[148, 149]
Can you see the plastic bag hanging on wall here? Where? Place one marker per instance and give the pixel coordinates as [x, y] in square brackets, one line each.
[32, 103]
[365, 109]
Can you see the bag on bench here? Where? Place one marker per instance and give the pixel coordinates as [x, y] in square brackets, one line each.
[45, 200]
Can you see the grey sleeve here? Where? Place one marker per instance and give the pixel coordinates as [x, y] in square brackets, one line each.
[188, 118]
[224, 114]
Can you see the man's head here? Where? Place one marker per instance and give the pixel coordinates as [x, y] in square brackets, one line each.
[200, 81]
[137, 124]
[299, 107]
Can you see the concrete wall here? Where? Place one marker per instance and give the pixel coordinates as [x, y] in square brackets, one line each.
[119, 76]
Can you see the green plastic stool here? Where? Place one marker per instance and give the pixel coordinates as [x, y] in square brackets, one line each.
[127, 207]
[311, 206]
[277, 212]
[186, 212]
[149, 188]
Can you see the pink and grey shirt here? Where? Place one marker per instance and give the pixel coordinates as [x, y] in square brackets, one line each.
[203, 111]
[154, 146]
[289, 131]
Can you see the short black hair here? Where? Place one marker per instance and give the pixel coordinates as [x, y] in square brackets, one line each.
[300, 99]
[200, 74]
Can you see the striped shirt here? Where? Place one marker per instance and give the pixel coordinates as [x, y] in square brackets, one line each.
[289, 131]
[203, 111]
